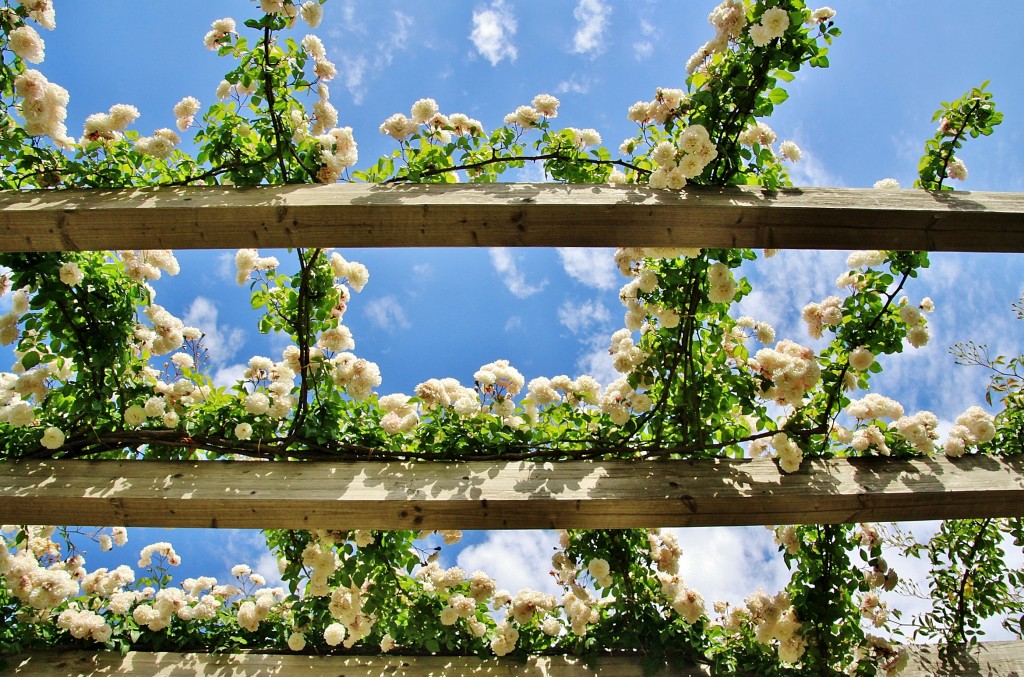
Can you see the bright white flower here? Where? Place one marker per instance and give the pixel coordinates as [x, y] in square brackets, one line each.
[53, 438]
[957, 169]
[134, 415]
[334, 634]
[861, 358]
[26, 43]
[312, 13]
[790, 151]
[546, 105]
[243, 431]
[71, 274]
[424, 110]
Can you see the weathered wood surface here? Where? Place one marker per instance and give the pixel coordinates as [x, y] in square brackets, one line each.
[511, 495]
[514, 215]
[85, 664]
[988, 659]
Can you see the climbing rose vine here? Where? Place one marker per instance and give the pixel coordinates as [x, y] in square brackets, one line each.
[102, 370]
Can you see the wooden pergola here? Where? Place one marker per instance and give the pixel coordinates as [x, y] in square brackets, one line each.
[510, 495]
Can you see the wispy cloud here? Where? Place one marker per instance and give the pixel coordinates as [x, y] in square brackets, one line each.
[574, 85]
[730, 563]
[358, 71]
[493, 30]
[592, 16]
[505, 265]
[515, 559]
[221, 341]
[810, 171]
[387, 313]
[643, 49]
[593, 267]
[583, 317]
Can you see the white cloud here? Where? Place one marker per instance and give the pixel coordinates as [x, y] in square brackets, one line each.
[493, 30]
[354, 69]
[597, 362]
[515, 322]
[809, 171]
[387, 313]
[592, 267]
[220, 341]
[643, 49]
[730, 563]
[247, 547]
[505, 265]
[582, 317]
[593, 20]
[574, 85]
[229, 375]
[515, 559]
[358, 71]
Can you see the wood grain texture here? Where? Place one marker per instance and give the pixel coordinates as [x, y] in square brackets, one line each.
[511, 215]
[988, 659]
[511, 495]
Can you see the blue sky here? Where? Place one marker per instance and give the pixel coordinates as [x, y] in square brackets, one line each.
[444, 313]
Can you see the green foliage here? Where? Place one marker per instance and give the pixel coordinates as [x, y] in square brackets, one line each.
[91, 342]
[974, 114]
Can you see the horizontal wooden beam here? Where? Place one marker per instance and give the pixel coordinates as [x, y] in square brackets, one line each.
[984, 659]
[87, 664]
[515, 495]
[508, 215]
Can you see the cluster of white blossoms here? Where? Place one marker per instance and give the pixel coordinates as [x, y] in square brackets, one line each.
[148, 264]
[185, 112]
[729, 19]
[686, 159]
[356, 375]
[920, 430]
[339, 151]
[890, 658]
[448, 393]
[43, 105]
[874, 610]
[160, 146]
[249, 261]
[84, 623]
[426, 113]
[219, 29]
[790, 369]
[972, 427]
[400, 415]
[41, 588]
[525, 117]
[584, 390]
[913, 316]
[881, 576]
[109, 126]
[772, 618]
[773, 24]
[167, 334]
[825, 313]
[27, 44]
[346, 608]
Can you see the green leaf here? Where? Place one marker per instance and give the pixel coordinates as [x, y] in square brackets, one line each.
[778, 95]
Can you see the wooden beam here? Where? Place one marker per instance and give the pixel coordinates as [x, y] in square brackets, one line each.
[1005, 659]
[516, 495]
[513, 215]
[87, 664]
